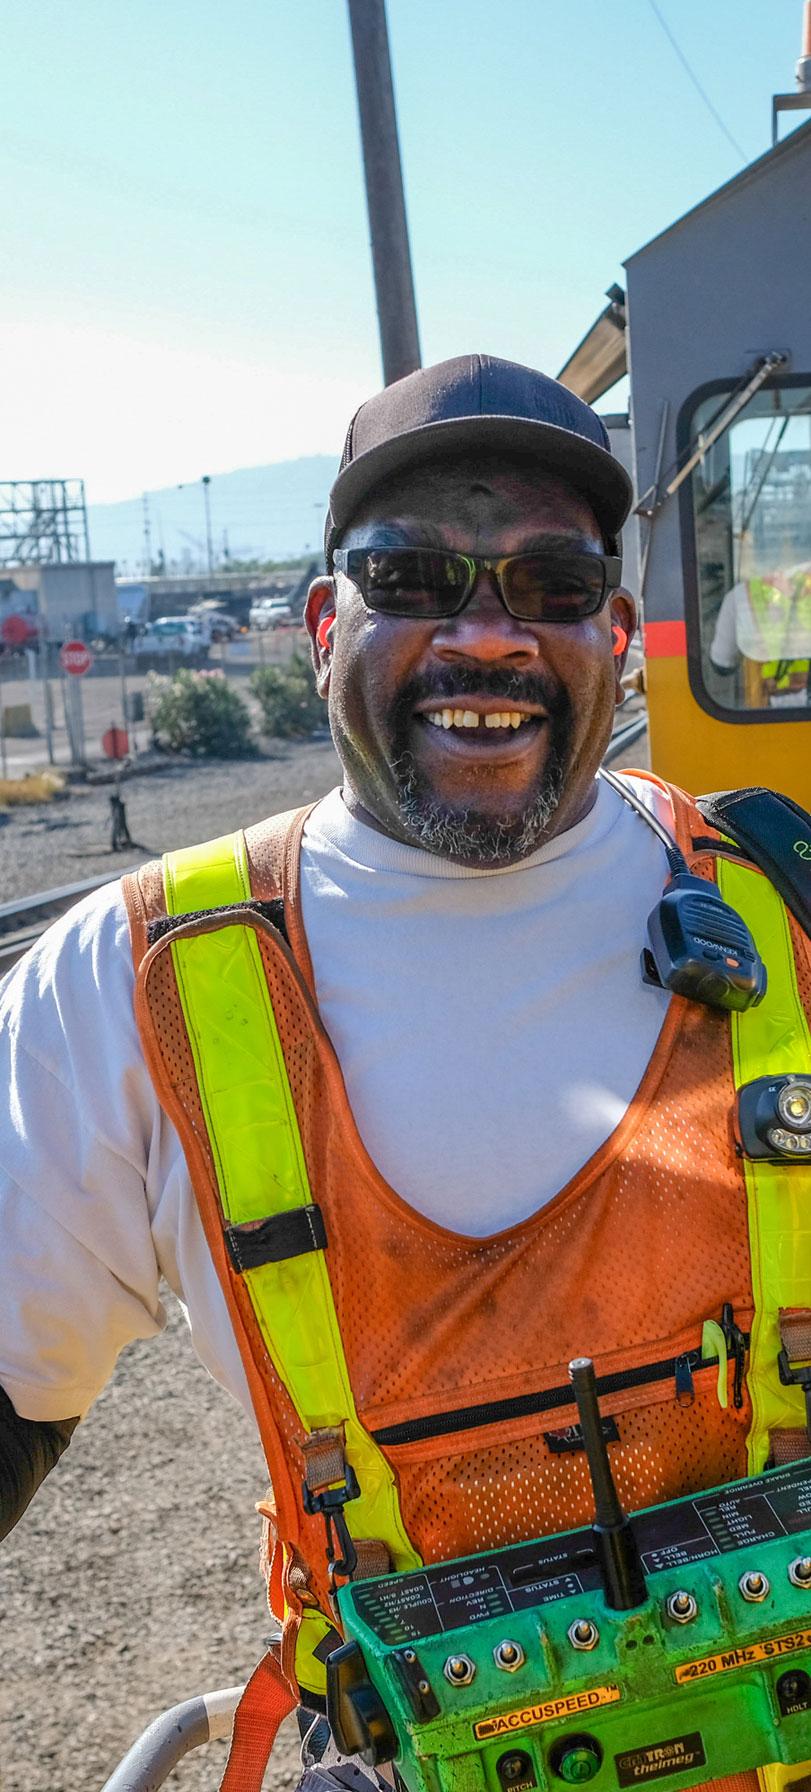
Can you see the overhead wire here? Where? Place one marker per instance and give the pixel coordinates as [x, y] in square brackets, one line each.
[689, 70]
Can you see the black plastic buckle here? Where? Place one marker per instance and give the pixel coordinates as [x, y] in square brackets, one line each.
[330, 1504]
[797, 1378]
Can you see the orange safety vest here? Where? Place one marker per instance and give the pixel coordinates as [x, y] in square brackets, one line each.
[646, 1243]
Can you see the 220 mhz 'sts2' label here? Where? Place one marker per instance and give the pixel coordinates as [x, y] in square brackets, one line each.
[679, 1754]
[743, 1656]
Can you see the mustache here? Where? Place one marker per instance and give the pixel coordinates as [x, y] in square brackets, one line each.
[445, 684]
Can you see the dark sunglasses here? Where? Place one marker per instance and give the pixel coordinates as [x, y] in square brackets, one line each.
[427, 583]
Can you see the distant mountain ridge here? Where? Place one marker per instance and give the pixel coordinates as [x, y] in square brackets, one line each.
[257, 513]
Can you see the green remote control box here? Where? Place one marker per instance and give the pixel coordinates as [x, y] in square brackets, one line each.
[674, 1645]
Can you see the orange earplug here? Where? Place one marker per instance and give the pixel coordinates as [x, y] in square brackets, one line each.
[620, 638]
[323, 632]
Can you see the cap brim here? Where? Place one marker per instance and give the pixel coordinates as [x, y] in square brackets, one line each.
[589, 469]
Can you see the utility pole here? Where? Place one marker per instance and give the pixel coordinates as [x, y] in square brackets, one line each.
[147, 536]
[391, 257]
[205, 482]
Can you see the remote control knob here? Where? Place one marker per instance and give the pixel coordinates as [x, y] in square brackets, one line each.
[754, 1586]
[459, 1670]
[576, 1759]
[799, 1572]
[681, 1606]
[583, 1634]
[508, 1655]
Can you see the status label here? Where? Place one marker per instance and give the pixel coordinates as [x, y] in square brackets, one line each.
[743, 1656]
[568, 1705]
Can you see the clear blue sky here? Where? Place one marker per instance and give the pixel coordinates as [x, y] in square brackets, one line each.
[187, 284]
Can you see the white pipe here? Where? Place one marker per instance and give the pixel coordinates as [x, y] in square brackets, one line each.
[148, 1764]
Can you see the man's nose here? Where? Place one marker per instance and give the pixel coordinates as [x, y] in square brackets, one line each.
[485, 630]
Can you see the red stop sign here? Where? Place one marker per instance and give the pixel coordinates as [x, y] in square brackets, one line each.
[75, 658]
[15, 630]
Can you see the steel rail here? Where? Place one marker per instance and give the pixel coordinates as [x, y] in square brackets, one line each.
[23, 920]
[624, 737]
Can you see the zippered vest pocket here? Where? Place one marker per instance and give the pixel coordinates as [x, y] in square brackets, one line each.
[516, 1468]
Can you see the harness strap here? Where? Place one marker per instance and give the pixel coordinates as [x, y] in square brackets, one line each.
[325, 1459]
[266, 1701]
[766, 1041]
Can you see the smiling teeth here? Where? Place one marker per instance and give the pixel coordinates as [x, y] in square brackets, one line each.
[467, 718]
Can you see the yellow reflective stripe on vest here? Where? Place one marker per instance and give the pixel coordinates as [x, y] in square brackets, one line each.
[768, 1041]
[256, 1145]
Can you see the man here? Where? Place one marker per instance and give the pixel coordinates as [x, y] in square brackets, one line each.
[441, 1135]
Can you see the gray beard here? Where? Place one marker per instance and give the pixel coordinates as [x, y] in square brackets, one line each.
[470, 835]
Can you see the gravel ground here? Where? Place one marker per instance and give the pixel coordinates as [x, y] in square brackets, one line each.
[132, 1582]
[45, 846]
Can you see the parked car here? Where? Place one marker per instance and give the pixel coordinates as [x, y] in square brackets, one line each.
[270, 612]
[173, 634]
[223, 627]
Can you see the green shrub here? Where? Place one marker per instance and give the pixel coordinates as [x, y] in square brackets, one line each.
[198, 712]
[288, 699]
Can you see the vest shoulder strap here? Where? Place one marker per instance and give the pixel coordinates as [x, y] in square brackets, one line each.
[775, 833]
[256, 866]
[274, 1231]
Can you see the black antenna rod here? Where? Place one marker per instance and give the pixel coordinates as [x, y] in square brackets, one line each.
[617, 1552]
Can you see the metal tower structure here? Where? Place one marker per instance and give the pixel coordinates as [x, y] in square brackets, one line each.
[42, 521]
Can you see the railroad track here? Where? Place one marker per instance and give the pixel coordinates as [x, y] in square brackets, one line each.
[22, 921]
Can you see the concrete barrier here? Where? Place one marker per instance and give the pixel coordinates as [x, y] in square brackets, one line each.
[17, 722]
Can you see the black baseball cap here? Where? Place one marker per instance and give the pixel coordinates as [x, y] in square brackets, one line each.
[479, 401]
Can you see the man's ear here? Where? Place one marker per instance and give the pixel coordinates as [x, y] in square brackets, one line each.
[622, 611]
[319, 621]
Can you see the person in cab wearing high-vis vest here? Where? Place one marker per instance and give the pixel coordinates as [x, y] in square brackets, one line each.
[380, 1088]
[764, 628]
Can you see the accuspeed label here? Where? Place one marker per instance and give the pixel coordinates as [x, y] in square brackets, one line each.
[569, 1705]
[741, 1657]
[677, 1755]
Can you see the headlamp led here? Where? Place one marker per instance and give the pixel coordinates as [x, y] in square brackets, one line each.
[773, 1119]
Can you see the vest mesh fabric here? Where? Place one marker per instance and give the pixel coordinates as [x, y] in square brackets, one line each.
[624, 1265]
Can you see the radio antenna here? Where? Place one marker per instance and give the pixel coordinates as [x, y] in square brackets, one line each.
[616, 1546]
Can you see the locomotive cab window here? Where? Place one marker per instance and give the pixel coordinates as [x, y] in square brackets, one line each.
[749, 622]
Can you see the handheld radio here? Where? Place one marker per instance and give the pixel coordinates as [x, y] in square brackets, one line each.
[697, 945]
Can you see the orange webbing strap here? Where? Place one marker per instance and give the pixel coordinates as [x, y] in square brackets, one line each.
[267, 1700]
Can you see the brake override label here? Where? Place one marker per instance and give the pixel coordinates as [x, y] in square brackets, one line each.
[743, 1656]
[568, 1705]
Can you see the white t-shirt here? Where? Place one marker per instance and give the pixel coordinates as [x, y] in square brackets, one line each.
[492, 1028]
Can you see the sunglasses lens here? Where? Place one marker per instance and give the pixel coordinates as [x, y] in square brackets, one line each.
[555, 587]
[414, 582]
[427, 582]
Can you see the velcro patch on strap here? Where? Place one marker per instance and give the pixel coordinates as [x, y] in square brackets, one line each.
[281, 1235]
[272, 911]
[788, 1446]
[795, 1333]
